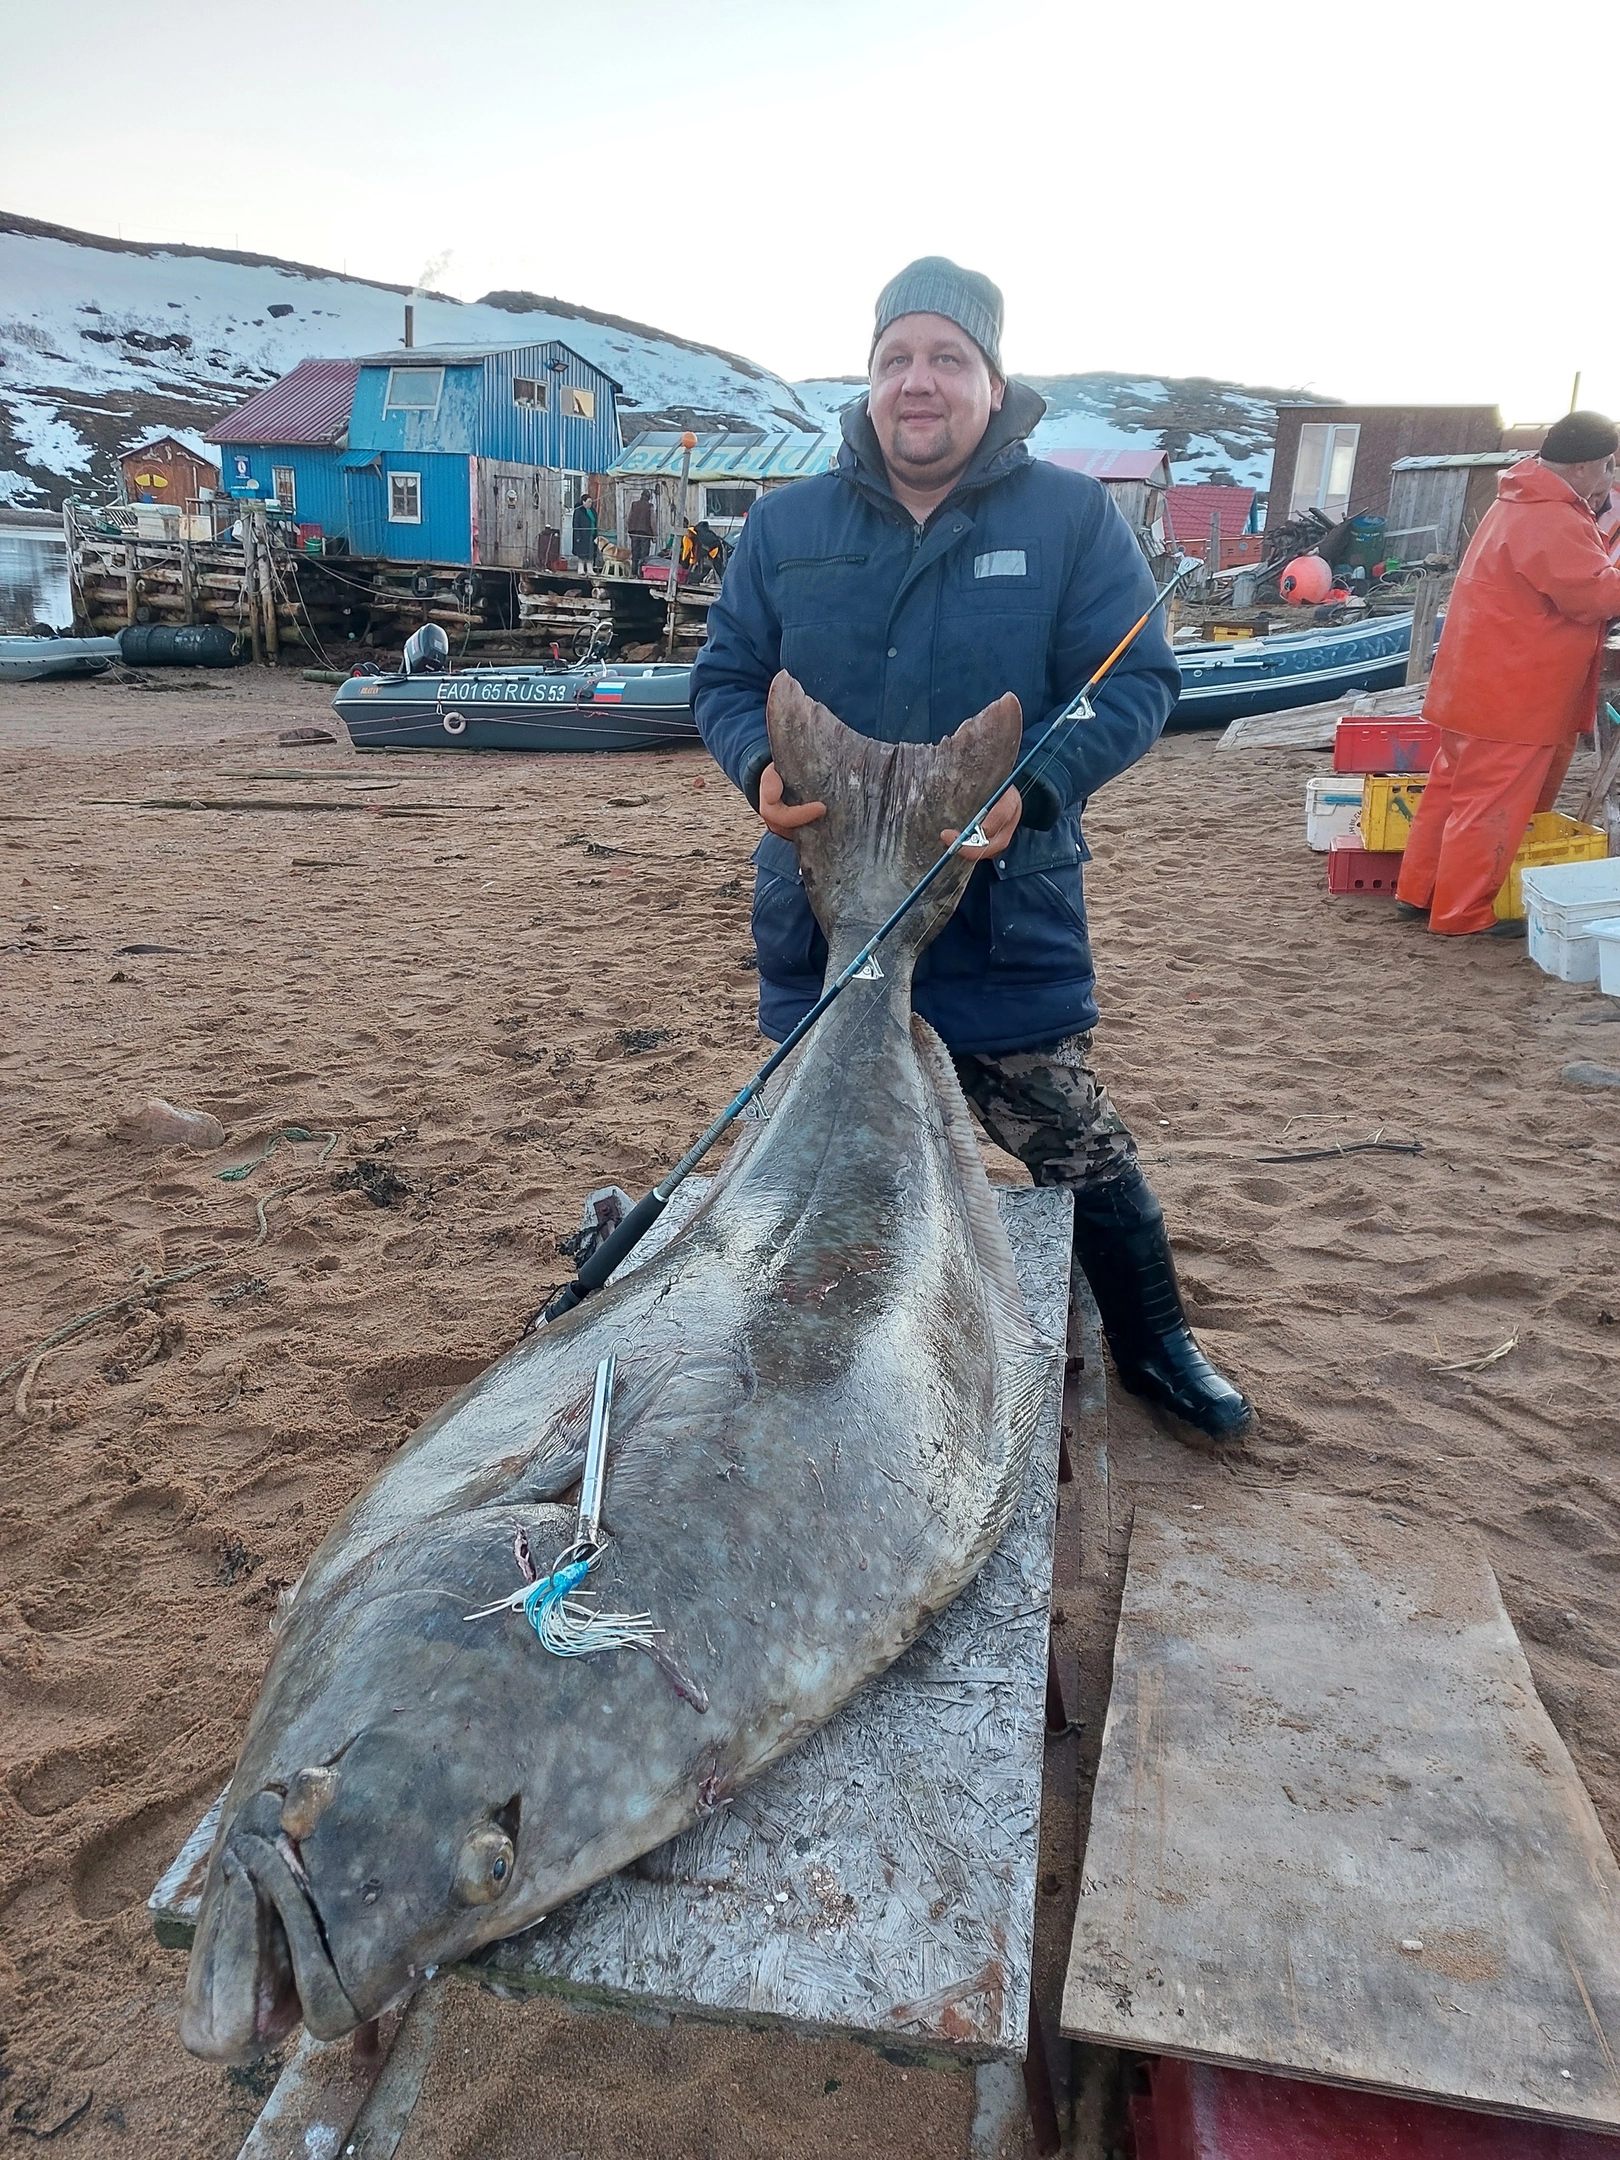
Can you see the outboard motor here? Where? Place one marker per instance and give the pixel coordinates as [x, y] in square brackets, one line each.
[427, 651]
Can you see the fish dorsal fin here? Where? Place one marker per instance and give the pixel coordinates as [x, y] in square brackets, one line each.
[984, 1217]
[1025, 1354]
[887, 804]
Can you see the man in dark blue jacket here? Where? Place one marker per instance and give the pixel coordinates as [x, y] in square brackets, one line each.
[939, 566]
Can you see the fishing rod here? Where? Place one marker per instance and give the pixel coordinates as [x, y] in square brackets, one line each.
[621, 1242]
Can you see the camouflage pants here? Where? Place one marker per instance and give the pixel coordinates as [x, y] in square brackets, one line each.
[1049, 1109]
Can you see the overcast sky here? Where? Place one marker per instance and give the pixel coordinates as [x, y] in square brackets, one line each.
[1398, 203]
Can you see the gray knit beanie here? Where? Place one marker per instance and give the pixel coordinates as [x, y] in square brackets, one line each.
[1580, 437]
[934, 285]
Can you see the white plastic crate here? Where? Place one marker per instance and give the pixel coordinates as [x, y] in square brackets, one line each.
[1606, 937]
[1332, 809]
[1562, 902]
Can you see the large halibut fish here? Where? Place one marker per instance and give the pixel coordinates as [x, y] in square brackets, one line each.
[825, 1399]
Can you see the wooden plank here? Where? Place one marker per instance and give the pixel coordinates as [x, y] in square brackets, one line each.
[1335, 1832]
[1310, 727]
[319, 2097]
[1433, 586]
[881, 1880]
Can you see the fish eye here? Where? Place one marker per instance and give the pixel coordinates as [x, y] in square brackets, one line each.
[484, 1865]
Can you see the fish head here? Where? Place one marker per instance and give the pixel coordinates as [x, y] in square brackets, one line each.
[337, 1890]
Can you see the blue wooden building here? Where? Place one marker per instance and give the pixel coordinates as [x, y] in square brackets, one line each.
[433, 454]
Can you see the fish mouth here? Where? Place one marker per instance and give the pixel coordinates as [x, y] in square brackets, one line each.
[278, 1876]
[261, 1962]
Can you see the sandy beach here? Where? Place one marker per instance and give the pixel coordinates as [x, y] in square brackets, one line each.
[481, 986]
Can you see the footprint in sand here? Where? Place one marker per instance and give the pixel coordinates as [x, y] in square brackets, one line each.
[59, 1779]
[119, 1865]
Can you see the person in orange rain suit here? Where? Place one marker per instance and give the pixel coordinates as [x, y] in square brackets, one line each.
[1515, 676]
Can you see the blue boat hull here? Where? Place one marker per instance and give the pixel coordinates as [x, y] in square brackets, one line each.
[646, 707]
[1225, 682]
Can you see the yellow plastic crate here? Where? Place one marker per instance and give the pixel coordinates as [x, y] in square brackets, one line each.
[1552, 838]
[1388, 805]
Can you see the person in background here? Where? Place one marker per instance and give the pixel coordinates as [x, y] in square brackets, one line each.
[709, 552]
[583, 533]
[640, 526]
[1515, 677]
[939, 566]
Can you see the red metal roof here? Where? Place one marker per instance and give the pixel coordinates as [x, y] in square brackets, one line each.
[311, 405]
[1188, 510]
[1113, 464]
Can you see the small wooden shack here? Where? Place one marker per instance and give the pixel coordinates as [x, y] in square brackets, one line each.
[728, 471]
[168, 468]
[1435, 503]
[1138, 481]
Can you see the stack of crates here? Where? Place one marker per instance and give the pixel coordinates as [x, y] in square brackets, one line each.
[1393, 758]
[1552, 838]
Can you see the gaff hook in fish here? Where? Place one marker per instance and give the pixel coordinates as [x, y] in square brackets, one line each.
[571, 1626]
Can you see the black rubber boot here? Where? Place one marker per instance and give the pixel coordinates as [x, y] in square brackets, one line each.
[1120, 1243]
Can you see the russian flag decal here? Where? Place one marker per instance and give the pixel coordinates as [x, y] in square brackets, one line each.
[608, 693]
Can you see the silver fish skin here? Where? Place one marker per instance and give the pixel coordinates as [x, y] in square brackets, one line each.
[827, 1387]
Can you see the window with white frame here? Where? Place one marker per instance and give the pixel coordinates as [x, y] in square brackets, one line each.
[576, 487]
[404, 498]
[414, 389]
[1324, 467]
[284, 484]
[528, 393]
[578, 404]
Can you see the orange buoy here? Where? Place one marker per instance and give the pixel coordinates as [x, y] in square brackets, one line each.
[1306, 582]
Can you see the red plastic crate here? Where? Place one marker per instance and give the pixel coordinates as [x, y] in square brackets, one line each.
[1355, 869]
[1198, 2112]
[1403, 745]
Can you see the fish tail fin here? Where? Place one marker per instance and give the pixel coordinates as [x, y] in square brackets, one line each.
[887, 804]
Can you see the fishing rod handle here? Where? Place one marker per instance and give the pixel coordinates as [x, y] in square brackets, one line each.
[614, 1248]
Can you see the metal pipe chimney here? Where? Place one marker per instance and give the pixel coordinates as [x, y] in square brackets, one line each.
[410, 326]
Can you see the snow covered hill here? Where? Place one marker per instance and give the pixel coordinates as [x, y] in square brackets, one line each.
[103, 341]
[1213, 431]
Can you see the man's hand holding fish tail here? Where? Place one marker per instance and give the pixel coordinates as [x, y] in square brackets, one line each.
[939, 567]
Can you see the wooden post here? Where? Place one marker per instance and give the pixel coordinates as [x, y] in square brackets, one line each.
[1432, 588]
[1213, 561]
[688, 445]
[188, 579]
[267, 586]
[132, 568]
[75, 562]
[1601, 803]
[250, 584]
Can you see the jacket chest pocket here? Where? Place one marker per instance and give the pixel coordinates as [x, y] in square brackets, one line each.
[993, 576]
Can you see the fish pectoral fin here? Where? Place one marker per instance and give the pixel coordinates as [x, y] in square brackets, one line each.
[548, 1479]
[558, 1464]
